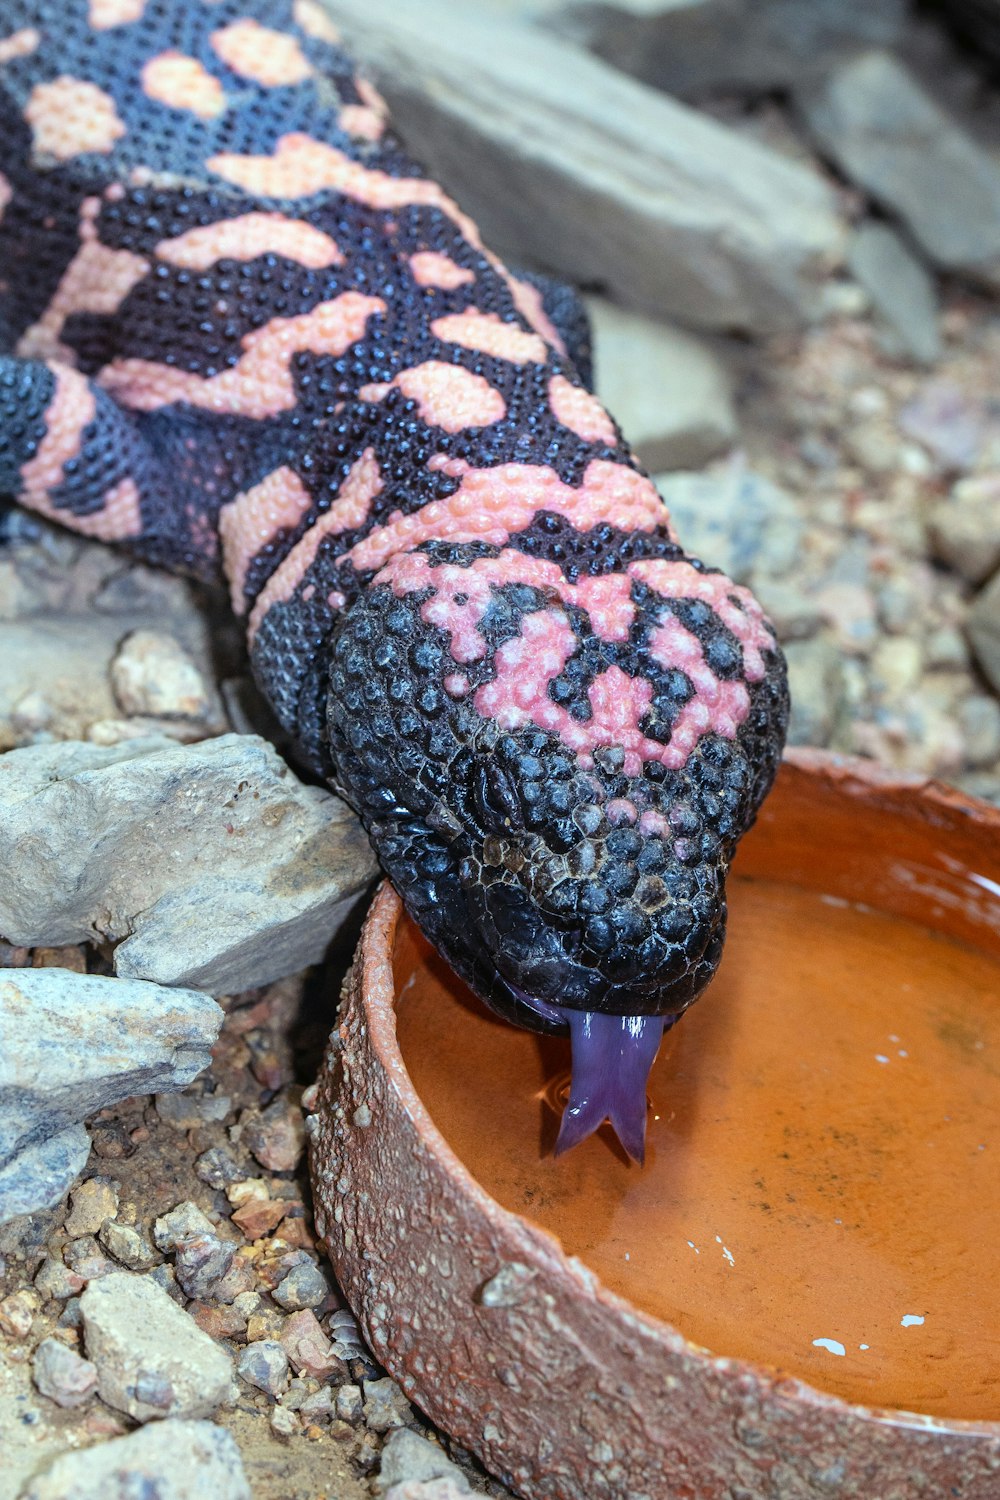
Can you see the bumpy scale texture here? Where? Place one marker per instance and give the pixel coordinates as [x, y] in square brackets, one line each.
[245, 333]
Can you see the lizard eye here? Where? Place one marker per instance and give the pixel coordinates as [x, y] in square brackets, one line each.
[494, 799]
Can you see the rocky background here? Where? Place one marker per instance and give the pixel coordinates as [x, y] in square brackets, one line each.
[786, 217]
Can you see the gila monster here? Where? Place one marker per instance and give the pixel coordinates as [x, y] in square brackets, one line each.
[246, 335]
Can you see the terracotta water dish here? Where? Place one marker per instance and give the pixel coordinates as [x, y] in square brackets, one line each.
[797, 1295]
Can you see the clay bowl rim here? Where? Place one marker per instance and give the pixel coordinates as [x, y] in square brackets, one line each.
[376, 992]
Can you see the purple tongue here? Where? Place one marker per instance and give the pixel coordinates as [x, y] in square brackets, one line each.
[612, 1056]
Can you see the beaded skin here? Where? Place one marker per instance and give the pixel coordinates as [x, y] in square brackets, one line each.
[245, 334]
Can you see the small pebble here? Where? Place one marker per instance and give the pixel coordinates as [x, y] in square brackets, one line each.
[309, 1349]
[385, 1406]
[71, 1316]
[86, 1258]
[266, 1323]
[979, 718]
[110, 1141]
[896, 665]
[126, 1245]
[949, 423]
[202, 1260]
[62, 1375]
[284, 1422]
[320, 1406]
[181, 1223]
[349, 1403]
[299, 1391]
[185, 1111]
[274, 1265]
[56, 1280]
[964, 529]
[218, 1322]
[217, 1168]
[165, 1278]
[91, 1204]
[153, 674]
[237, 1282]
[304, 1286]
[264, 1364]
[17, 1312]
[258, 1217]
[946, 647]
[277, 1137]
[247, 1303]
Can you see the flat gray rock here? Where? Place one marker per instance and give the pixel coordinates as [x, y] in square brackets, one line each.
[569, 165]
[874, 120]
[695, 47]
[71, 1044]
[984, 631]
[901, 289]
[668, 392]
[152, 1359]
[209, 865]
[172, 1460]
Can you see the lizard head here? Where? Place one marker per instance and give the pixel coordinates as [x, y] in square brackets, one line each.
[569, 874]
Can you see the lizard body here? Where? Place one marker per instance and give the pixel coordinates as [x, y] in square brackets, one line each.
[244, 333]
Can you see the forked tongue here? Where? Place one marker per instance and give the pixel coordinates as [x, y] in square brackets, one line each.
[612, 1056]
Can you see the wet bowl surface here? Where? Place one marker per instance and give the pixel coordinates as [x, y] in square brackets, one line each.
[818, 1208]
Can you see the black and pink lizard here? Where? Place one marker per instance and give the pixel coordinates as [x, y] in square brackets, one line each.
[245, 333]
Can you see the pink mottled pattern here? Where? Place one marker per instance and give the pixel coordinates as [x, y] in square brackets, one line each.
[526, 665]
[735, 606]
[605, 599]
[528, 301]
[97, 280]
[492, 504]
[430, 268]
[270, 58]
[261, 384]
[19, 44]
[248, 236]
[253, 519]
[621, 810]
[581, 412]
[301, 166]
[716, 707]
[447, 396]
[184, 83]
[70, 116]
[349, 510]
[489, 334]
[519, 696]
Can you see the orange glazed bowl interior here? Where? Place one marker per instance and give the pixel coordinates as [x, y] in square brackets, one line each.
[796, 1295]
